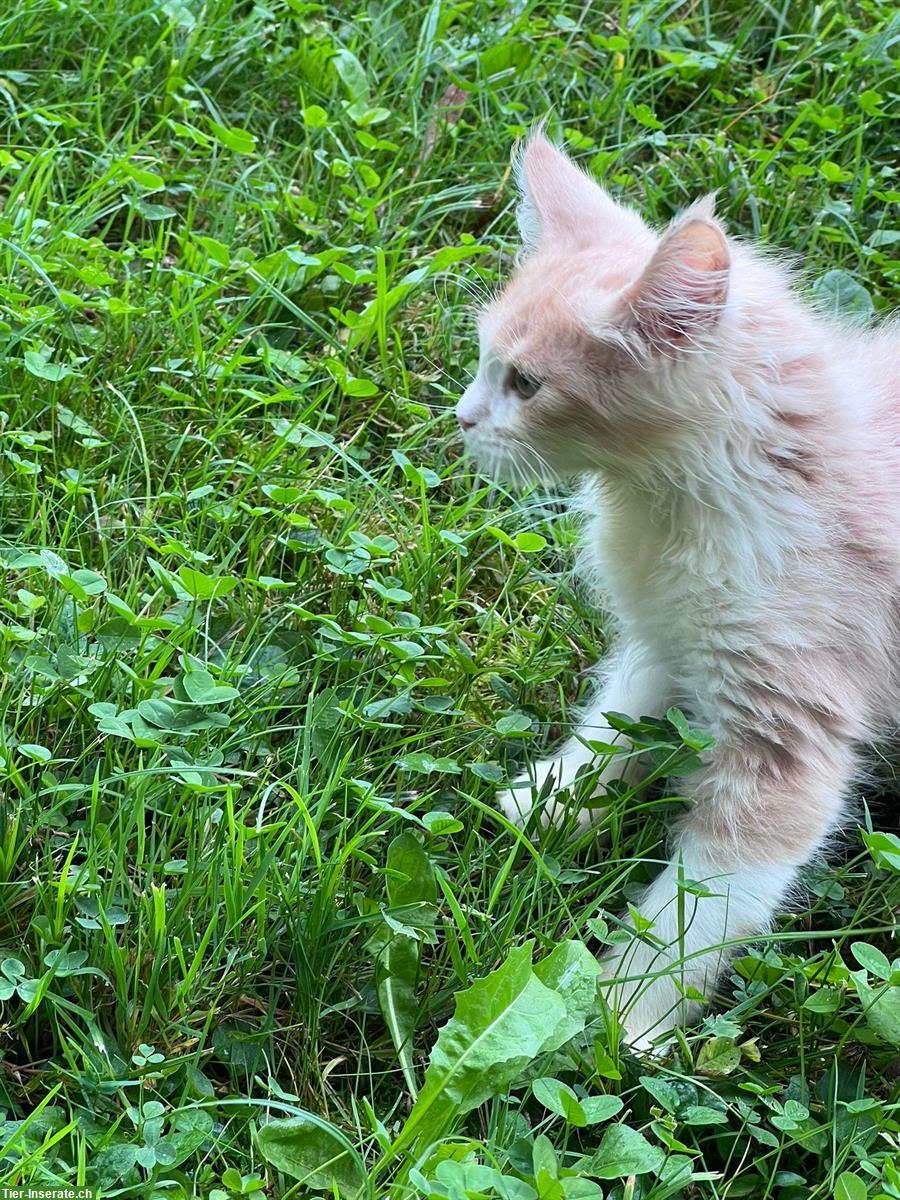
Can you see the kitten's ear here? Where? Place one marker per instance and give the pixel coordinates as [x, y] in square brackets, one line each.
[563, 206]
[682, 292]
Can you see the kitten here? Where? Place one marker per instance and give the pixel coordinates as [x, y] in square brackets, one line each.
[741, 490]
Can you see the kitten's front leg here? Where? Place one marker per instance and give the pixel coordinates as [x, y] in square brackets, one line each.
[759, 815]
[685, 949]
[633, 685]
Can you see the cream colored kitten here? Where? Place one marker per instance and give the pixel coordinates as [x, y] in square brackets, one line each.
[742, 500]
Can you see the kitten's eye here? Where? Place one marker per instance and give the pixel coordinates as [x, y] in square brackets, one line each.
[522, 385]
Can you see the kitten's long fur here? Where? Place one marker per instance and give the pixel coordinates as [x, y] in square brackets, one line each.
[741, 464]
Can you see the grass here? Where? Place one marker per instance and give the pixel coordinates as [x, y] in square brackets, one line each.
[268, 644]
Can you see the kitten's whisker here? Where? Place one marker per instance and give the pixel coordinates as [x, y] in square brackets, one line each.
[458, 384]
[481, 296]
[474, 286]
[544, 471]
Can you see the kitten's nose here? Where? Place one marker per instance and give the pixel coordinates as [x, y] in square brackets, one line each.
[465, 425]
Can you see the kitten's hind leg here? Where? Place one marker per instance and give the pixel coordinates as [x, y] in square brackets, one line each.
[633, 685]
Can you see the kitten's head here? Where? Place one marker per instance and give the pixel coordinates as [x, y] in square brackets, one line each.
[581, 352]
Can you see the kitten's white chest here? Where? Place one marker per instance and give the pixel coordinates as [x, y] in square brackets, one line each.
[674, 588]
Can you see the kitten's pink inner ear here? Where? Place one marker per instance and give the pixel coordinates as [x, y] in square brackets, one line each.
[699, 245]
[684, 288]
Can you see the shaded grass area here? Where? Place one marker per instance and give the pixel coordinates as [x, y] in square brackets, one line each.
[260, 618]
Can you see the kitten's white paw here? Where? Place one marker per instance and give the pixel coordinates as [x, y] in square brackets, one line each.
[647, 991]
[651, 1020]
[538, 788]
[517, 801]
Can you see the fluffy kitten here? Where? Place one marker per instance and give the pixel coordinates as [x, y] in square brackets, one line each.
[742, 500]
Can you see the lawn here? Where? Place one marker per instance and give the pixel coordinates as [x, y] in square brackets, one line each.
[269, 643]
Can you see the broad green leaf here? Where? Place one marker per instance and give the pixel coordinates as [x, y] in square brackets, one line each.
[885, 237]
[513, 724]
[314, 116]
[500, 1025]
[65, 962]
[149, 180]
[790, 1118]
[825, 1000]
[703, 1114]
[112, 1163]
[34, 750]
[623, 1151]
[502, 57]
[201, 688]
[293, 365]
[718, 1057]
[283, 495]
[559, 1098]
[423, 476]
[205, 587]
[163, 715]
[662, 1092]
[604, 1065]
[766, 1136]
[576, 1188]
[83, 585]
[600, 1108]
[841, 295]
[885, 849]
[38, 363]
[190, 1130]
[873, 959]
[474, 1179]
[351, 74]
[449, 256]
[216, 251]
[849, 1186]
[427, 764]
[869, 102]
[490, 771]
[235, 138]
[571, 971]
[71, 420]
[529, 543]
[396, 969]
[834, 172]
[441, 823]
[695, 738]
[153, 212]
[411, 874]
[882, 1007]
[645, 116]
[411, 885]
[545, 1165]
[352, 386]
[313, 1152]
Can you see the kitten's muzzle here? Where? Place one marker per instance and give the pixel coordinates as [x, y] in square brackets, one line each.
[473, 406]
